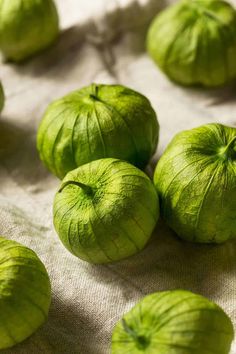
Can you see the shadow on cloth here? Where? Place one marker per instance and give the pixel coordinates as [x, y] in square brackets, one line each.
[61, 55]
[216, 96]
[170, 263]
[65, 332]
[101, 33]
[18, 154]
[11, 138]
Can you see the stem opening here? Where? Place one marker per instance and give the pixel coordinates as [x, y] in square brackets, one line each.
[87, 189]
[93, 97]
[229, 151]
[94, 94]
[141, 340]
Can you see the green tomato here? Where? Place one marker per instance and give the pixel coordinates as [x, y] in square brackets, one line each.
[96, 122]
[25, 293]
[105, 210]
[2, 98]
[194, 42]
[27, 27]
[173, 322]
[195, 179]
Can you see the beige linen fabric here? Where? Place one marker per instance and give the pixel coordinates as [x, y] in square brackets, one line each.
[87, 300]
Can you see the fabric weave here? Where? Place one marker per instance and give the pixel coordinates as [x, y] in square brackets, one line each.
[104, 45]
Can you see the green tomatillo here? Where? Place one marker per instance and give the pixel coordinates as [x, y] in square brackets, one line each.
[194, 42]
[27, 27]
[105, 210]
[196, 182]
[96, 122]
[173, 322]
[2, 98]
[25, 293]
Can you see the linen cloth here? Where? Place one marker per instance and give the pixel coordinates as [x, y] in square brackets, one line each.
[104, 42]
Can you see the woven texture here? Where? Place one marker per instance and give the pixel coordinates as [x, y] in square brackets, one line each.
[104, 44]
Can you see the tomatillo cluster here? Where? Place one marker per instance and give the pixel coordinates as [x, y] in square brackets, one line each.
[106, 208]
[96, 139]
